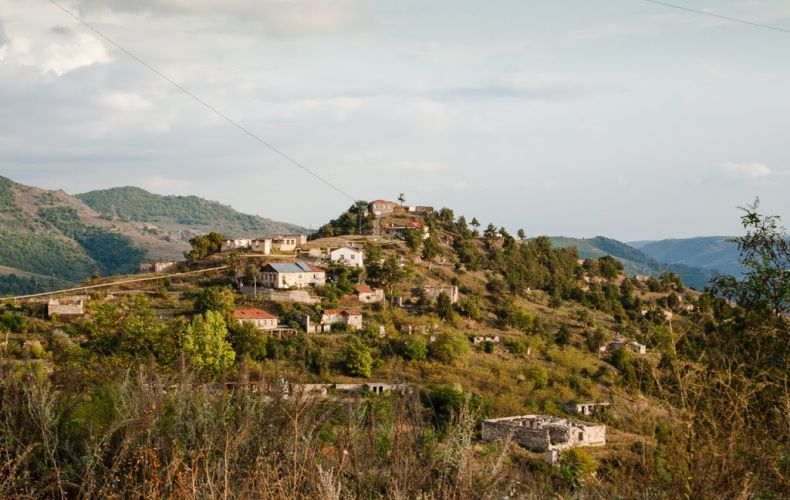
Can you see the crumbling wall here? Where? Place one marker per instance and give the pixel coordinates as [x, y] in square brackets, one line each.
[541, 433]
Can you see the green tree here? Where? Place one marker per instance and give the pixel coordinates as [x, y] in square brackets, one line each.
[444, 307]
[450, 348]
[413, 239]
[205, 340]
[358, 359]
[215, 298]
[413, 348]
[431, 248]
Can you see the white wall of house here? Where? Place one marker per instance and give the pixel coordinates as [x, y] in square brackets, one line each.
[348, 256]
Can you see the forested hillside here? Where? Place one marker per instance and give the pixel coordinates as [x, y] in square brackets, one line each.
[635, 260]
[135, 204]
[717, 253]
[63, 241]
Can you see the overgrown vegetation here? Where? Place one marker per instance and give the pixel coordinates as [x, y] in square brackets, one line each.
[128, 404]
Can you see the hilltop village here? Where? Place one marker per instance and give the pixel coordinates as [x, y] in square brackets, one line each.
[549, 352]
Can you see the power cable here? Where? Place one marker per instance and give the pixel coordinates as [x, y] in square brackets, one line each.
[200, 101]
[718, 16]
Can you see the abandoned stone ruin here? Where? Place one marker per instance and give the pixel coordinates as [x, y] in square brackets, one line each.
[543, 433]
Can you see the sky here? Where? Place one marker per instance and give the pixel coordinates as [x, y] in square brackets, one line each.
[563, 117]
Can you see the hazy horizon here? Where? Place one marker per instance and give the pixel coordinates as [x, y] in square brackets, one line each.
[621, 119]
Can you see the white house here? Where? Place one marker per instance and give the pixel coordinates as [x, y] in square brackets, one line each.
[368, 295]
[288, 242]
[351, 257]
[257, 317]
[261, 245]
[296, 274]
[236, 244]
[157, 266]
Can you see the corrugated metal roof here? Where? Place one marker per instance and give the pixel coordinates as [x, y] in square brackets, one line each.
[294, 267]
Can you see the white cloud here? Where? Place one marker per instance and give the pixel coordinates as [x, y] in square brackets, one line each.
[746, 171]
[278, 18]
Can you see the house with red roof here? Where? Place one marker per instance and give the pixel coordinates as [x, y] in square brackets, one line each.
[256, 317]
[368, 295]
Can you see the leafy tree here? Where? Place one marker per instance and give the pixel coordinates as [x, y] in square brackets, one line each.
[413, 239]
[563, 335]
[444, 306]
[490, 232]
[413, 348]
[450, 348]
[401, 199]
[204, 245]
[522, 235]
[431, 248]
[205, 340]
[247, 339]
[358, 359]
[765, 253]
[609, 267]
[446, 215]
[476, 225]
[215, 298]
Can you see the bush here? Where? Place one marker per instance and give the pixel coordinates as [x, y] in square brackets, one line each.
[414, 348]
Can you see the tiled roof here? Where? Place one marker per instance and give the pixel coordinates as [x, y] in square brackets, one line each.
[382, 201]
[363, 288]
[252, 314]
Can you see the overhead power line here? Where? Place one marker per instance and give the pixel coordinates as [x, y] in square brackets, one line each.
[202, 102]
[719, 16]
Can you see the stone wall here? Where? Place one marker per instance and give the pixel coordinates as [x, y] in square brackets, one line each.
[541, 433]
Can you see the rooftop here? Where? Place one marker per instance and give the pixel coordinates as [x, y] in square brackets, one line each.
[252, 314]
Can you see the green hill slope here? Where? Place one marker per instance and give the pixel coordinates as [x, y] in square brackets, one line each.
[135, 204]
[61, 240]
[635, 261]
[713, 252]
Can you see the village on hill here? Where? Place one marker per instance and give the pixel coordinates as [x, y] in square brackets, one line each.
[405, 277]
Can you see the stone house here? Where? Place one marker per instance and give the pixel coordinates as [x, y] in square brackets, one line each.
[543, 433]
[398, 230]
[381, 207]
[261, 245]
[480, 340]
[235, 244]
[288, 242]
[296, 274]
[259, 318]
[66, 308]
[587, 408]
[618, 344]
[329, 317]
[432, 292]
[351, 257]
[368, 295]
[156, 266]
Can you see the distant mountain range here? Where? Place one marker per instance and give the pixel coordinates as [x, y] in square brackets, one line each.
[636, 260]
[717, 253]
[49, 239]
